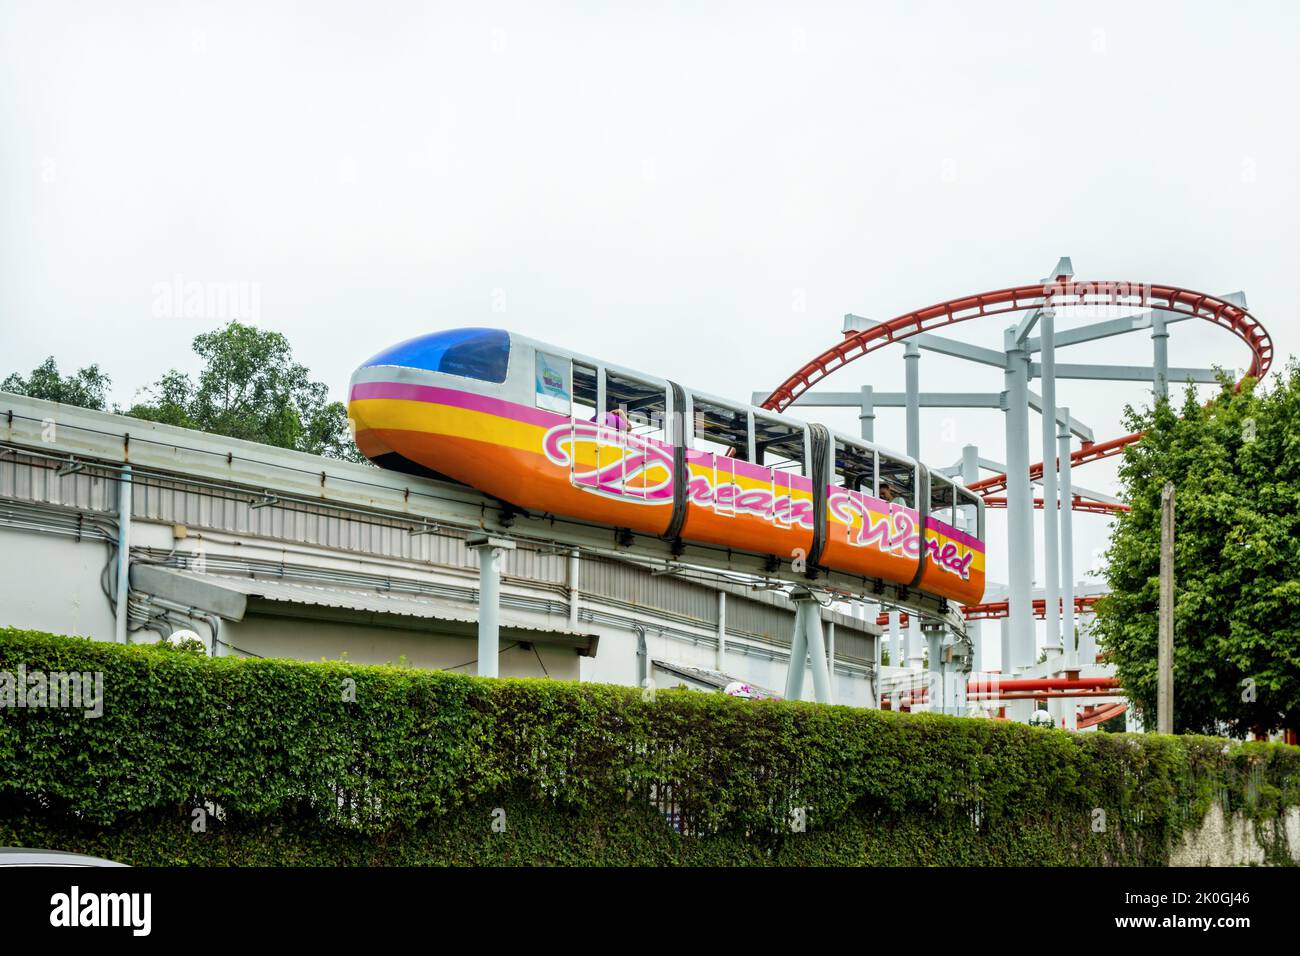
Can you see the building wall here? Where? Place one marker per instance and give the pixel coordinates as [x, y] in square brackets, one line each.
[51, 583]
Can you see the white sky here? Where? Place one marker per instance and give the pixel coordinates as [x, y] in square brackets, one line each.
[663, 187]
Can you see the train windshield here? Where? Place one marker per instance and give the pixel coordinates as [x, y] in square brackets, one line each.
[481, 354]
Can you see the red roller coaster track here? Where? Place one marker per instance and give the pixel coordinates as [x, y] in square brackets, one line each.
[995, 610]
[1059, 293]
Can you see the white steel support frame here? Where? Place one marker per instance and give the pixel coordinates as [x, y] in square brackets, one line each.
[1067, 550]
[1020, 505]
[912, 391]
[936, 694]
[1071, 659]
[867, 414]
[489, 549]
[807, 647]
[912, 388]
[1160, 355]
[1051, 544]
[1004, 647]
[868, 400]
[970, 473]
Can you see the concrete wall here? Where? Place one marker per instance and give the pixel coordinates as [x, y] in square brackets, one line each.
[1223, 840]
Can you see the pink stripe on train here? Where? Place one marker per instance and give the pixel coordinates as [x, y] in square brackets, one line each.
[408, 392]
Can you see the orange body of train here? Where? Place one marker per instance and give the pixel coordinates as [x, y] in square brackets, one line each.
[554, 432]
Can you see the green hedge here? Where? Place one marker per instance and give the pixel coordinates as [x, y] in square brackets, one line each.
[420, 764]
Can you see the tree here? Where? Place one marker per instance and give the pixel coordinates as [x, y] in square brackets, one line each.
[251, 388]
[1235, 465]
[88, 388]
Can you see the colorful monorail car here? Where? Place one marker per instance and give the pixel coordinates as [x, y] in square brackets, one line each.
[552, 431]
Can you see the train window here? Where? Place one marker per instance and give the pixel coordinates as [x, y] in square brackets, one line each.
[551, 382]
[638, 407]
[968, 506]
[779, 445]
[897, 481]
[720, 429]
[586, 390]
[942, 500]
[481, 354]
[855, 467]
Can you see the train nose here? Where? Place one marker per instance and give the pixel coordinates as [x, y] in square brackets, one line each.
[474, 353]
[386, 388]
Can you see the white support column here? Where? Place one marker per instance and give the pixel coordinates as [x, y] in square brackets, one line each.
[915, 643]
[1051, 546]
[970, 473]
[936, 694]
[817, 652]
[897, 656]
[1160, 350]
[798, 652]
[830, 650]
[125, 498]
[1067, 544]
[867, 415]
[1020, 515]
[721, 661]
[489, 550]
[878, 676]
[912, 362]
[575, 583]
[1004, 634]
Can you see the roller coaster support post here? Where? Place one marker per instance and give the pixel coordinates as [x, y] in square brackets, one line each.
[1067, 541]
[912, 390]
[1051, 544]
[970, 473]
[912, 363]
[1160, 348]
[867, 415]
[1020, 504]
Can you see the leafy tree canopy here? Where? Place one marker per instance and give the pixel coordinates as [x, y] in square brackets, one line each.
[1235, 465]
[88, 388]
[251, 388]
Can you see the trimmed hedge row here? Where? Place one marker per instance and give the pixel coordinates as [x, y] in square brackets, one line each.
[333, 762]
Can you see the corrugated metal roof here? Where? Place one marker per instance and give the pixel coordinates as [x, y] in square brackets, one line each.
[378, 602]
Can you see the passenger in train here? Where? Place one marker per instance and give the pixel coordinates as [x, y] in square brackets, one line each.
[615, 419]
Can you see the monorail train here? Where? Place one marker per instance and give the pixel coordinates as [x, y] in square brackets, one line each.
[552, 431]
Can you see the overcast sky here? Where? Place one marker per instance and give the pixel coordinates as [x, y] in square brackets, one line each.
[698, 190]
